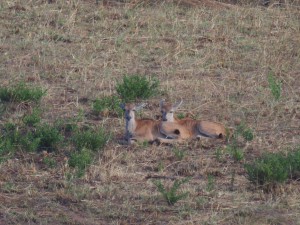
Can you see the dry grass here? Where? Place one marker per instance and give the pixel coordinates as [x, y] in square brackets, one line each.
[217, 61]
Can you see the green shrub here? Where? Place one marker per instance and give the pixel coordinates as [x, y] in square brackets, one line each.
[81, 160]
[21, 93]
[109, 103]
[49, 137]
[271, 169]
[136, 87]
[293, 160]
[29, 142]
[275, 86]
[33, 118]
[171, 195]
[90, 139]
[49, 162]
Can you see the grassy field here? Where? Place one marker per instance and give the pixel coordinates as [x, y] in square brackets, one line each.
[218, 61]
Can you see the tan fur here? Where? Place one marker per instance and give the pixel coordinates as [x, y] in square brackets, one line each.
[146, 129]
[189, 128]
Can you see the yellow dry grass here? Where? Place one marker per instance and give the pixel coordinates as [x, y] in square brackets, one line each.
[216, 60]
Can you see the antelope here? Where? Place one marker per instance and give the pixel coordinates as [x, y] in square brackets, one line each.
[188, 128]
[146, 129]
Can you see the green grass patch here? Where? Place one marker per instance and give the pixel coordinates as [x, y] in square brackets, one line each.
[136, 86]
[274, 168]
[107, 105]
[275, 86]
[80, 160]
[90, 139]
[32, 119]
[21, 93]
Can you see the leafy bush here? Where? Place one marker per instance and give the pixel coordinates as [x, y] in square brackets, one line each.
[81, 160]
[49, 137]
[90, 139]
[33, 118]
[107, 105]
[271, 169]
[171, 195]
[136, 87]
[21, 93]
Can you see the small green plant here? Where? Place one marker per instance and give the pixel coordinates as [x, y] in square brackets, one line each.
[33, 118]
[236, 153]
[136, 87]
[271, 169]
[293, 159]
[21, 93]
[219, 154]
[109, 104]
[171, 195]
[49, 162]
[233, 148]
[180, 116]
[81, 160]
[29, 142]
[275, 86]
[91, 139]
[210, 183]
[179, 154]
[49, 137]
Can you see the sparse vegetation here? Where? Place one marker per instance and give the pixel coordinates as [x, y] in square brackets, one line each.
[136, 86]
[275, 86]
[170, 194]
[234, 147]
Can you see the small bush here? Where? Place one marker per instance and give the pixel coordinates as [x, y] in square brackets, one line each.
[29, 142]
[33, 118]
[107, 105]
[271, 169]
[90, 139]
[49, 137]
[171, 195]
[49, 162]
[179, 154]
[21, 93]
[275, 86]
[136, 87]
[81, 160]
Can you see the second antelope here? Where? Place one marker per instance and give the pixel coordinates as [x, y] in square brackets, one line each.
[188, 128]
[146, 129]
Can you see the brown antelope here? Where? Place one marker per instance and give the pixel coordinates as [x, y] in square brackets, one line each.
[189, 128]
[146, 129]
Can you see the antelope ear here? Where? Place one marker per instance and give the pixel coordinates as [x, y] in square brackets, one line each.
[122, 105]
[176, 105]
[140, 106]
[161, 103]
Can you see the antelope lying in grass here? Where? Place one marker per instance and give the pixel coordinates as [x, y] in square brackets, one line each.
[188, 128]
[146, 129]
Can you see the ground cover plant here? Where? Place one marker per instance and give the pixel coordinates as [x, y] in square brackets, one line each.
[228, 64]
